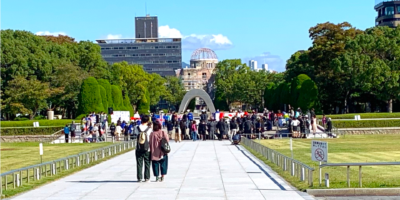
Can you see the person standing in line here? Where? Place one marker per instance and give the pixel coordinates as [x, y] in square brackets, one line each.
[174, 118]
[221, 129]
[234, 127]
[314, 124]
[193, 129]
[112, 130]
[142, 152]
[158, 157]
[190, 118]
[73, 129]
[95, 134]
[66, 132]
[202, 130]
[170, 128]
[324, 121]
[177, 133]
[248, 127]
[126, 133]
[182, 134]
[118, 131]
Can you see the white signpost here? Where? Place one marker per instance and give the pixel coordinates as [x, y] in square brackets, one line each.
[319, 153]
[124, 115]
[41, 152]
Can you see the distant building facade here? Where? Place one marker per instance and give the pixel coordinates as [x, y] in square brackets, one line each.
[157, 55]
[253, 65]
[388, 13]
[264, 67]
[201, 72]
[146, 27]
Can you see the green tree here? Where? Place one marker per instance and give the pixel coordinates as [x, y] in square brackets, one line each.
[156, 88]
[27, 96]
[296, 87]
[144, 104]
[285, 94]
[107, 86]
[90, 98]
[308, 95]
[103, 95]
[269, 94]
[175, 91]
[128, 106]
[219, 101]
[116, 93]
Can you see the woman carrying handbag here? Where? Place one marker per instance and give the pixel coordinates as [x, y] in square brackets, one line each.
[159, 156]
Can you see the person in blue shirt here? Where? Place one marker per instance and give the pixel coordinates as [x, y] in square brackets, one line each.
[123, 124]
[66, 132]
[190, 117]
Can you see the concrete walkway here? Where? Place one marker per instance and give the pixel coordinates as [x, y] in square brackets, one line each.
[197, 170]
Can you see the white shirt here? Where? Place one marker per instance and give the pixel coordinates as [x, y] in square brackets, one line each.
[295, 122]
[118, 129]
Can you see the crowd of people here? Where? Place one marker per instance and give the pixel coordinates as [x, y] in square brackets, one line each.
[94, 127]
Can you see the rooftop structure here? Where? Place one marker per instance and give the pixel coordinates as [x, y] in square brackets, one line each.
[388, 13]
[146, 27]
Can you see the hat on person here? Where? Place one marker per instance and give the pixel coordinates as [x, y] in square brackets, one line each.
[306, 116]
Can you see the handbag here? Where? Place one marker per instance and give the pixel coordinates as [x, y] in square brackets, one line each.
[165, 147]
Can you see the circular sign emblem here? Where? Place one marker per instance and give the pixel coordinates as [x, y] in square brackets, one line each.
[319, 154]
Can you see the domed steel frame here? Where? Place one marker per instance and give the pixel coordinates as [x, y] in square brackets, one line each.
[204, 54]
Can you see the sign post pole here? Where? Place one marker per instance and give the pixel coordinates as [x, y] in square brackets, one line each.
[319, 153]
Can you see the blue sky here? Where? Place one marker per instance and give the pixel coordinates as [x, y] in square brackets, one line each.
[264, 30]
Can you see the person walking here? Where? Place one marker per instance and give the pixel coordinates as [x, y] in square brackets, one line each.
[142, 152]
[234, 127]
[314, 125]
[66, 132]
[170, 128]
[73, 129]
[190, 118]
[193, 129]
[182, 134]
[158, 157]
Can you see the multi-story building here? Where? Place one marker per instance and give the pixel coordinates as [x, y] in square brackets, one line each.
[253, 65]
[264, 67]
[201, 73]
[157, 55]
[388, 13]
[146, 27]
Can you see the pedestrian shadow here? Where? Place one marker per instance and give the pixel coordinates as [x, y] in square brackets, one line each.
[106, 181]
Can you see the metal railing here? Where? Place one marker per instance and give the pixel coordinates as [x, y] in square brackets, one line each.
[295, 167]
[16, 178]
[359, 169]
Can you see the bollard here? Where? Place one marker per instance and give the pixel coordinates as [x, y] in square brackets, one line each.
[292, 170]
[87, 158]
[326, 179]
[17, 181]
[124, 146]
[302, 176]
[102, 153]
[115, 150]
[77, 161]
[53, 169]
[95, 155]
[66, 166]
[37, 174]
[120, 148]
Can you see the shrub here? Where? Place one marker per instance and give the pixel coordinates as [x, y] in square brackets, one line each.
[295, 87]
[89, 97]
[285, 94]
[268, 95]
[308, 95]
[103, 97]
[366, 123]
[21, 119]
[80, 117]
[363, 115]
[107, 86]
[39, 117]
[117, 98]
[144, 103]
[29, 123]
[30, 131]
[128, 106]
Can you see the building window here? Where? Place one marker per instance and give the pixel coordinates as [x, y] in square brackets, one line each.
[204, 75]
[389, 10]
[398, 9]
[115, 48]
[188, 75]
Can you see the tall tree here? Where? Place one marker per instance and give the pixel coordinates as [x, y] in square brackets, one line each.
[175, 91]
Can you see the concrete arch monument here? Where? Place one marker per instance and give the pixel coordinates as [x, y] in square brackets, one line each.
[193, 94]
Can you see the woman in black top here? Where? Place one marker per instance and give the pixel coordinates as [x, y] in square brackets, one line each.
[202, 130]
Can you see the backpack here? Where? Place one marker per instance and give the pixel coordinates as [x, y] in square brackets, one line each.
[165, 148]
[142, 141]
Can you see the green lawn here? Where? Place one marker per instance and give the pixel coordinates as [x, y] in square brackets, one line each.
[23, 154]
[27, 123]
[362, 115]
[353, 148]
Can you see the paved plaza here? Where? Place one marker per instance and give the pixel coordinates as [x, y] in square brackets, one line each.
[197, 170]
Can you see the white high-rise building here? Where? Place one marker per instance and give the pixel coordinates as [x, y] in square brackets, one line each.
[253, 65]
[264, 67]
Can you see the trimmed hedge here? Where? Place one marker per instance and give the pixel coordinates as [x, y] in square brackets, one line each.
[29, 131]
[29, 123]
[118, 104]
[107, 86]
[144, 103]
[366, 123]
[103, 95]
[363, 115]
[89, 97]
[128, 106]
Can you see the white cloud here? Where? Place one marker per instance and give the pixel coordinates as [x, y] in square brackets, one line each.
[274, 62]
[167, 32]
[111, 36]
[50, 33]
[194, 41]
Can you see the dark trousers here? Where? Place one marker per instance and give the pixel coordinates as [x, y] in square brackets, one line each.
[140, 157]
[66, 138]
[160, 165]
